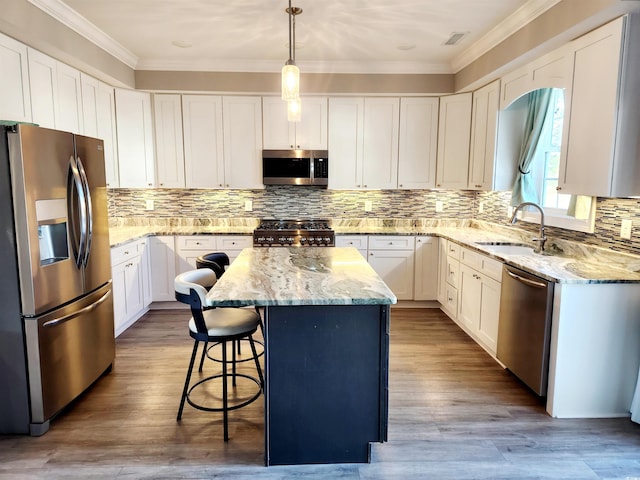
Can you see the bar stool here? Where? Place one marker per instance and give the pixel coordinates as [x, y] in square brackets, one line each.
[216, 325]
[217, 261]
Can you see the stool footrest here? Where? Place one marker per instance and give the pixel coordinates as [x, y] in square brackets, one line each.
[251, 399]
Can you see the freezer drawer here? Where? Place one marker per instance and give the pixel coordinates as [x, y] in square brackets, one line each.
[67, 350]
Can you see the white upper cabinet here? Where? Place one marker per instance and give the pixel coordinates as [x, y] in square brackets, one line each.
[167, 113]
[346, 120]
[242, 127]
[309, 134]
[56, 97]
[43, 84]
[552, 70]
[418, 142]
[602, 145]
[484, 127]
[99, 121]
[203, 137]
[15, 98]
[363, 143]
[136, 163]
[69, 106]
[380, 151]
[454, 133]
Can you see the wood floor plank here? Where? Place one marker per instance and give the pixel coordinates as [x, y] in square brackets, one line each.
[454, 413]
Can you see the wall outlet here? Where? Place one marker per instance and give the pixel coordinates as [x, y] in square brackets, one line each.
[149, 204]
[625, 228]
[439, 206]
[368, 205]
[248, 206]
[509, 211]
[481, 207]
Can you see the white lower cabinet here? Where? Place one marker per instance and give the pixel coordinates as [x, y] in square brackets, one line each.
[426, 269]
[449, 278]
[356, 241]
[189, 248]
[131, 283]
[392, 258]
[162, 260]
[479, 306]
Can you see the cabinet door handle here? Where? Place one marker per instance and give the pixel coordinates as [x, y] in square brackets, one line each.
[558, 188]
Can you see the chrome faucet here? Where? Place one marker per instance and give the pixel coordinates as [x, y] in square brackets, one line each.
[541, 238]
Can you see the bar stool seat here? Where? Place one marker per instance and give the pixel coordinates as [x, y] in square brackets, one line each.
[217, 325]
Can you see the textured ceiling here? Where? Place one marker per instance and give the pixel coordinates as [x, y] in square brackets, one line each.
[331, 35]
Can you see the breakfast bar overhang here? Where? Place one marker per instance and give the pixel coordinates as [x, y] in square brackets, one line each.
[326, 316]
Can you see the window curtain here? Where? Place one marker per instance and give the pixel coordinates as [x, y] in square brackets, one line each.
[635, 404]
[523, 189]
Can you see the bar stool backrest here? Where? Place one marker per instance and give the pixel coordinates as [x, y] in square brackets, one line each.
[191, 288]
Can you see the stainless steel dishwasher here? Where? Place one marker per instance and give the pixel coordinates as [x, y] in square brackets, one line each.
[524, 331]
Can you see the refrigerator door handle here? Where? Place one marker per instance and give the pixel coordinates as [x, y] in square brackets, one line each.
[89, 212]
[87, 309]
[79, 245]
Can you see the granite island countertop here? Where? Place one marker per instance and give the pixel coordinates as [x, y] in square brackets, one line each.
[568, 262]
[278, 276]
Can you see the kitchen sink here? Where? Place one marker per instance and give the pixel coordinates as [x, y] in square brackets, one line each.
[507, 248]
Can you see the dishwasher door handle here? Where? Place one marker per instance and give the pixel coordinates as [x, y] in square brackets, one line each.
[531, 283]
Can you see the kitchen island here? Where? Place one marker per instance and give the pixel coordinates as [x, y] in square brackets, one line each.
[326, 315]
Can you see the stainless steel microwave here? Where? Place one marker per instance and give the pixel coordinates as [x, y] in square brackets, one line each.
[295, 167]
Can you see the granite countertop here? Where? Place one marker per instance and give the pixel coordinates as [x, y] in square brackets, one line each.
[565, 262]
[300, 276]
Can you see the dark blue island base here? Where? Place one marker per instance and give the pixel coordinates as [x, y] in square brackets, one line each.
[326, 375]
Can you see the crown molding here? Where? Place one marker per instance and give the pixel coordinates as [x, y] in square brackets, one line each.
[79, 24]
[514, 22]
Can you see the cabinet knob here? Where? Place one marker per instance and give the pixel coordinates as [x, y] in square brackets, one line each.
[220, 185]
[390, 243]
[371, 254]
[364, 186]
[358, 186]
[400, 185]
[150, 184]
[438, 185]
[227, 185]
[558, 188]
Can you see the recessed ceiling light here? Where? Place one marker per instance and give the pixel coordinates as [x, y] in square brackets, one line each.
[181, 44]
[406, 47]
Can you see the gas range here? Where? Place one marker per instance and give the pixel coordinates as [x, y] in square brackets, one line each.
[293, 233]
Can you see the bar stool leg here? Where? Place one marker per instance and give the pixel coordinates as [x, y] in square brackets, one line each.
[225, 403]
[255, 357]
[204, 354]
[186, 383]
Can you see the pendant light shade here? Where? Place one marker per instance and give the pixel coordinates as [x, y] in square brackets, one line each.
[290, 72]
[294, 110]
[290, 82]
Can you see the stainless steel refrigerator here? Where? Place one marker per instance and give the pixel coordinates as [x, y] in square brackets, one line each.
[56, 307]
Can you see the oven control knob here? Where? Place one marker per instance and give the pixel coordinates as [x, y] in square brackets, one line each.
[303, 239]
[269, 239]
[327, 239]
[260, 239]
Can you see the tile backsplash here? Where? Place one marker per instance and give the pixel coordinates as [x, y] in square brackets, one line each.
[313, 202]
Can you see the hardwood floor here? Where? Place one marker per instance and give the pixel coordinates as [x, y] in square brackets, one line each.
[454, 414]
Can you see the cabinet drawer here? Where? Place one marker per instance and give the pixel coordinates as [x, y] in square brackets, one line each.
[122, 253]
[453, 250]
[387, 242]
[234, 242]
[197, 242]
[356, 241]
[453, 271]
[483, 264]
[451, 299]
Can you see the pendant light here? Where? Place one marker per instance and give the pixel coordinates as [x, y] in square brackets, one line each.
[290, 71]
[294, 110]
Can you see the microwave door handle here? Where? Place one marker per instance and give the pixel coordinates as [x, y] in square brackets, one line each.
[88, 210]
[75, 181]
[312, 169]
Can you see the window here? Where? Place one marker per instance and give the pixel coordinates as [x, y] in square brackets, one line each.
[572, 212]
